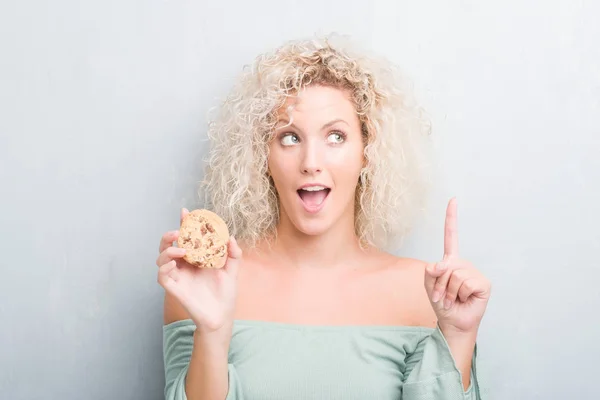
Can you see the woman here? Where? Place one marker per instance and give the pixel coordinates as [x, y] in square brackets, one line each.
[315, 166]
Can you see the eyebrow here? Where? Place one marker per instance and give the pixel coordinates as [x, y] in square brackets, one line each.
[327, 125]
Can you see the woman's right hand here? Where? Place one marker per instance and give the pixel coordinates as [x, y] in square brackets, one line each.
[208, 295]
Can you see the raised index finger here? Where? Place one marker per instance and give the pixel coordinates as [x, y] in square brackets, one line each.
[450, 230]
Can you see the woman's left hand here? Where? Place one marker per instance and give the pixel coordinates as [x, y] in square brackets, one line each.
[457, 291]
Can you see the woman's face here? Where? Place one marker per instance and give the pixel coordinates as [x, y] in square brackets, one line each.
[322, 149]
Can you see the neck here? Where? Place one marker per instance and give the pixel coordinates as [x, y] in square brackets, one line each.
[337, 247]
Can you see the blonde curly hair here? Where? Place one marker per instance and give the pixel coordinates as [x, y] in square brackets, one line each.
[392, 186]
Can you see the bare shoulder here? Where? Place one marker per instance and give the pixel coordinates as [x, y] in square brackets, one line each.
[403, 279]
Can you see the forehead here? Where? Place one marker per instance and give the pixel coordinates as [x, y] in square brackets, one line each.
[318, 102]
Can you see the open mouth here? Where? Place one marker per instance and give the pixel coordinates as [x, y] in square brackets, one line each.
[313, 197]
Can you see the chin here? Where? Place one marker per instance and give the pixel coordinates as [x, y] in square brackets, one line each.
[314, 224]
[312, 228]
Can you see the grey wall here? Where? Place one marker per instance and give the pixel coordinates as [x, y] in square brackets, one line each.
[102, 115]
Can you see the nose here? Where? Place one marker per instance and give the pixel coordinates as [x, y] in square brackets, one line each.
[311, 159]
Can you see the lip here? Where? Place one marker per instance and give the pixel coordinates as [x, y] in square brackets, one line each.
[313, 184]
[314, 209]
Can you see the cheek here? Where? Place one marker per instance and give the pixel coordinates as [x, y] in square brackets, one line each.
[274, 161]
[347, 162]
[279, 168]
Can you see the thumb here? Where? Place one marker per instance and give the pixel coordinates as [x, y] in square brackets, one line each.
[183, 213]
[432, 272]
[234, 256]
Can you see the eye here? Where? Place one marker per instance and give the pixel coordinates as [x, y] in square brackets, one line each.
[289, 139]
[338, 137]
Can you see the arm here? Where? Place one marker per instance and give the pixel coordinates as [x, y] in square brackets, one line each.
[193, 373]
[433, 372]
[196, 364]
[207, 372]
[458, 294]
[462, 348]
[198, 321]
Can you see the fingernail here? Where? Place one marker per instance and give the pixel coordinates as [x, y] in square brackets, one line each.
[181, 250]
[447, 304]
[435, 297]
[441, 266]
